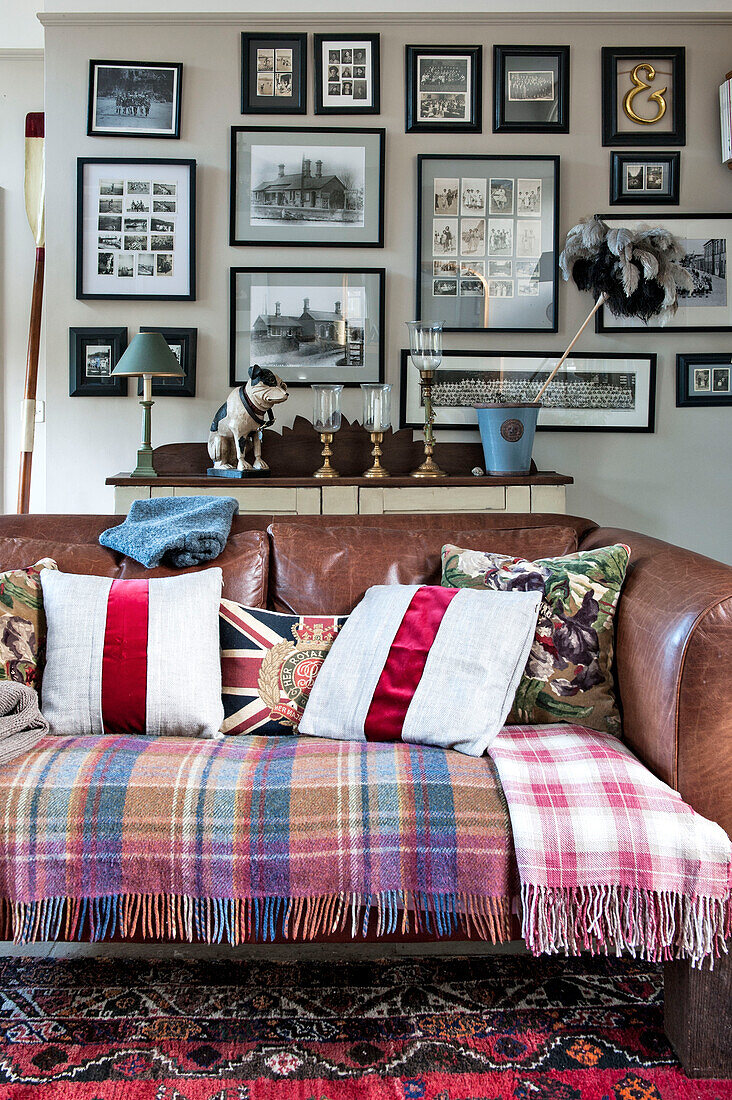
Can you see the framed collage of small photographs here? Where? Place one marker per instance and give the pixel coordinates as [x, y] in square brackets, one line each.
[703, 379]
[443, 89]
[274, 73]
[347, 74]
[640, 179]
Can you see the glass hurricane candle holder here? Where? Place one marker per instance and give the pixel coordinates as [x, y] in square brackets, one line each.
[376, 421]
[326, 421]
[425, 349]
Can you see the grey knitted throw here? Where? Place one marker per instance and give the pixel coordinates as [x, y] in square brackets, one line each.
[21, 723]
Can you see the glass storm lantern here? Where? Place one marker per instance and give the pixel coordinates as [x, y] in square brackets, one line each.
[326, 421]
[376, 421]
[425, 349]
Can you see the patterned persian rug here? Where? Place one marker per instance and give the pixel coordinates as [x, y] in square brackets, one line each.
[437, 1029]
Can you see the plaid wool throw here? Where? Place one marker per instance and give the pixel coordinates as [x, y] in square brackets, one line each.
[610, 858]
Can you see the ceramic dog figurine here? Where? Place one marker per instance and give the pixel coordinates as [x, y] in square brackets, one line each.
[240, 421]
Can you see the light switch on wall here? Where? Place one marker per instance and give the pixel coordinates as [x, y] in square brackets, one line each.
[40, 412]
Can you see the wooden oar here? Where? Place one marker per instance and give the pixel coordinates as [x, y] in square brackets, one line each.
[35, 194]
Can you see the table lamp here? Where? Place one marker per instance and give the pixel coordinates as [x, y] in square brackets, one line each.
[148, 356]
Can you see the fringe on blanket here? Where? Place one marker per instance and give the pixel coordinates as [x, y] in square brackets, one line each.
[234, 920]
[655, 926]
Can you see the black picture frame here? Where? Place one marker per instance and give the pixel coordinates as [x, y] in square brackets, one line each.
[237, 377]
[288, 236]
[187, 338]
[79, 380]
[517, 119]
[93, 129]
[254, 103]
[645, 135]
[350, 107]
[188, 170]
[622, 195]
[473, 93]
[688, 397]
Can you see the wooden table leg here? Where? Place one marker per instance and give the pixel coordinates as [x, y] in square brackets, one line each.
[698, 1016]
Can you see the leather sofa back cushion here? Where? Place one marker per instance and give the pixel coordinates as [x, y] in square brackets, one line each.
[319, 571]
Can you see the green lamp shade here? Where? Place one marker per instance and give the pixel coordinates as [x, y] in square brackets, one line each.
[148, 353]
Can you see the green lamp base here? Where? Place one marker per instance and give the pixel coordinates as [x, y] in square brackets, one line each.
[144, 466]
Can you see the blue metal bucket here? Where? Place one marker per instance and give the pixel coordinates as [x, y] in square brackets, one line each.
[507, 435]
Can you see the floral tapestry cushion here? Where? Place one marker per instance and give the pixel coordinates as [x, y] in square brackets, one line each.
[22, 623]
[269, 662]
[568, 676]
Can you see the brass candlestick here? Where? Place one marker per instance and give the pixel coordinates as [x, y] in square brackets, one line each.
[326, 470]
[376, 470]
[425, 349]
[429, 467]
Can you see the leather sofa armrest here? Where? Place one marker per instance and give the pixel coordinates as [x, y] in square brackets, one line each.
[674, 667]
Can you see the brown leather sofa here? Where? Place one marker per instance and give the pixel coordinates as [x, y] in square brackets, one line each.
[673, 652]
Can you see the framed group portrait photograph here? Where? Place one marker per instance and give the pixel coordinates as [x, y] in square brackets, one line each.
[638, 179]
[93, 355]
[530, 89]
[703, 379]
[182, 342]
[643, 95]
[347, 74]
[134, 99]
[274, 73]
[444, 89]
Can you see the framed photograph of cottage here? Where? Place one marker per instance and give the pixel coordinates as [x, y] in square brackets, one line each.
[487, 245]
[703, 379]
[707, 307]
[182, 342]
[307, 185]
[593, 392]
[134, 99]
[642, 179]
[136, 229]
[347, 74]
[643, 95]
[531, 89]
[93, 355]
[444, 89]
[274, 74]
[306, 325]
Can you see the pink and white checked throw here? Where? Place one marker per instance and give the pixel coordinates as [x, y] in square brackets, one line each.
[610, 858]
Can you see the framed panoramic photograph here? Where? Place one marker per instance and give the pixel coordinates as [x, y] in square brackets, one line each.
[134, 99]
[707, 307]
[136, 228]
[703, 379]
[182, 342]
[487, 244]
[307, 185]
[530, 89]
[638, 179]
[306, 325]
[643, 95]
[93, 355]
[444, 89]
[593, 392]
[274, 74]
[347, 74]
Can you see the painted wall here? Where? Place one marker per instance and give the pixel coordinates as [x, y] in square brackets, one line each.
[674, 484]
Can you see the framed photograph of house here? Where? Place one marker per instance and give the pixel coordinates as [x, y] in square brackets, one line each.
[306, 325]
[444, 89]
[531, 89]
[93, 355]
[307, 185]
[644, 179]
[182, 342]
[347, 74]
[274, 74]
[703, 379]
[134, 99]
[707, 307]
[487, 245]
[643, 95]
[593, 392]
[136, 229]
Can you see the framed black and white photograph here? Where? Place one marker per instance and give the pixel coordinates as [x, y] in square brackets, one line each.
[347, 74]
[530, 89]
[274, 74]
[136, 228]
[444, 89]
[487, 243]
[306, 325]
[307, 185]
[182, 342]
[134, 99]
[93, 355]
[643, 95]
[593, 392]
[703, 379]
[638, 179]
[707, 307]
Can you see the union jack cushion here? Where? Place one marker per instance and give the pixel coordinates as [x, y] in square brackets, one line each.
[269, 662]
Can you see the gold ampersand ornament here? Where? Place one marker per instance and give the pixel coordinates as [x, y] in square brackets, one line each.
[640, 86]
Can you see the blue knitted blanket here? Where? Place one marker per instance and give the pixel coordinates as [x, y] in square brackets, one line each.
[177, 531]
